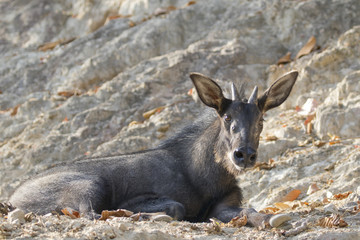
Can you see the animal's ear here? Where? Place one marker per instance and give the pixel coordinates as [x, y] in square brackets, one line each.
[210, 92]
[278, 92]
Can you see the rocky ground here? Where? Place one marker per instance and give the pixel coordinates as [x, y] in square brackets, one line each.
[95, 78]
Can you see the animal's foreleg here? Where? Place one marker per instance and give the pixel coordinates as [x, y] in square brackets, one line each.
[228, 208]
[152, 204]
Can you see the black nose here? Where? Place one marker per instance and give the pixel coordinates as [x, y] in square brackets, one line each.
[245, 157]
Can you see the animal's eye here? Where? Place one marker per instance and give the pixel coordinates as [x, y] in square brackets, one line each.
[227, 118]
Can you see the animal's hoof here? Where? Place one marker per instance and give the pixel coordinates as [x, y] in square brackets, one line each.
[279, 219]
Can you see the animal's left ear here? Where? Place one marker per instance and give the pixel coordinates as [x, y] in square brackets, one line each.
[210, 92]
[278, 92]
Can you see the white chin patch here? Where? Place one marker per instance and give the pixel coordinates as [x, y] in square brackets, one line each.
[231, 157]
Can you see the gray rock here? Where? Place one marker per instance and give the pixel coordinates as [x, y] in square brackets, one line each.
[16, 216]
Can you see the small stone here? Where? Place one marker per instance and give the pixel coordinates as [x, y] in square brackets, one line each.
[7, 227]
[329, 194]
[330, 208]
[162, 218]
[16, 216]
[279, 219]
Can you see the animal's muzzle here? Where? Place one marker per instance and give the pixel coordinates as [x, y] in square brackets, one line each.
[245, 157]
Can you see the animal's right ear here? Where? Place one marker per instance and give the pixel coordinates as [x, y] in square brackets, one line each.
[278, 92]
[210, 92]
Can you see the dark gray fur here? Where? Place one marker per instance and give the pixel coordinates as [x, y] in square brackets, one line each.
[191, 176]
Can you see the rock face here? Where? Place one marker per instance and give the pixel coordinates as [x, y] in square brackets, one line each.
[77, 77]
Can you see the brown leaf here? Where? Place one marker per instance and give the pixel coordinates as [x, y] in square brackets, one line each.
[291, 196]
[270, 210]
[171, 8]
[151, 112]
[307, 48]
[319, 143]
[238, 221]
[132, 24]
[133, 123]
[112, 17]
[15, 110]
[51, 45]
[335, 220]
[285, 59]
[190, 3]
[48, 46]
[66, 94]
[334, 142]
[70, 212]
[105, 214]
[341, 196]
[269, 138]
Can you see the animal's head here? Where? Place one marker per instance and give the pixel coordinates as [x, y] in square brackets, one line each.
[242, 119]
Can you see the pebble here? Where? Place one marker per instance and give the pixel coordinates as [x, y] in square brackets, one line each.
[162, 218]
[7, 227]
[279, 219]
[330, 208]
[16, 216]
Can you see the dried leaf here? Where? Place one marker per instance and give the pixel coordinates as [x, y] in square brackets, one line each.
[105, 214]
[285, 59]
[270, 210]
[67, 94]
[282, 206]
[291, 196]
[190, 3]
[341, 196]
[51, 45]
[148, 114]
[171, 8]
[70, 212]
[112, 17]
[333, 136]
[15, 110]
[269, 138]
[307, 48]
[48, 46]
[215, 225]
[334, 142]
[133, 123]
[319, 143]
[335, 220]
[132, 24]
[65, 119]
[238, 221]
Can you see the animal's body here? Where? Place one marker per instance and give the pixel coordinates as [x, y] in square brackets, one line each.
[191, 176]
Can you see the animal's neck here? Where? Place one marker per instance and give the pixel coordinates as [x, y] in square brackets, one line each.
[209, 161]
